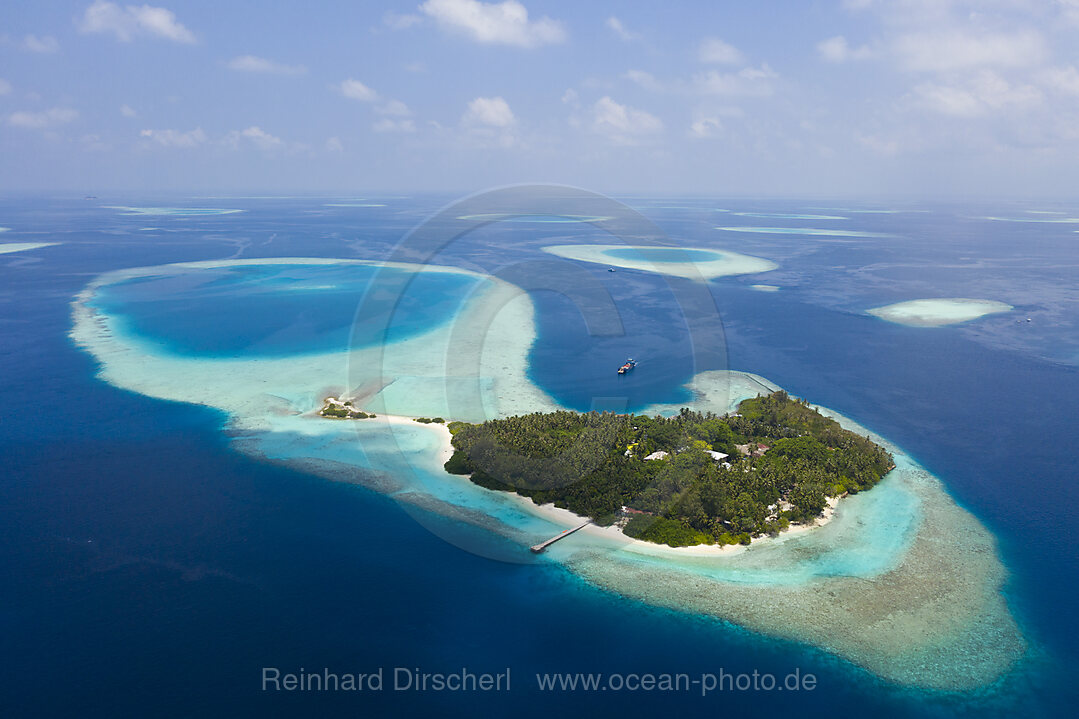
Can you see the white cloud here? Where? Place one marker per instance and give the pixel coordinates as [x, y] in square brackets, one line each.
[621, 30]
[951, 50]
[881, 146]
[749, 81]
[252, 63]
[949, 100]
[489, 111]
[175, 138]
[388, 124]
[5, 86]
[395, 108]
[356, 90]
[132, 21]
[837, 49]
[645, 80]
[127, 111]
[94, 143]
[398, 21]
[256, 136]
[504, 23]
[1064, 80]
[333, 144]
[570, 97]
[622, 123]
[985, 92]
[716, 52]
[1069, 11]
[45, 45]
[42, 120]
[705, 127]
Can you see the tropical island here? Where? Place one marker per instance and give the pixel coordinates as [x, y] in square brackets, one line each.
[902, 581]
[693, 478]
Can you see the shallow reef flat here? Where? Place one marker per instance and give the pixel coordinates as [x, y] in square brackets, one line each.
[174, 211]
[541, 219]
[788, 216]
[460, 369]
[938, 311]
[901, 582]
[811, 231]
[693, 263]
[1039, 219]
[8, 247]
[937, 620]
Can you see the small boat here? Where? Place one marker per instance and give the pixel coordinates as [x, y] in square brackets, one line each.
[610, 269]
[630, 364]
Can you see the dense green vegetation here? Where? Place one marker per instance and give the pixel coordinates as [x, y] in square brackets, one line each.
[429, 420]
[785, 459]
[343, 410]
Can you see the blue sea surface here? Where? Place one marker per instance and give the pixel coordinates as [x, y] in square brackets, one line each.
[150, 569]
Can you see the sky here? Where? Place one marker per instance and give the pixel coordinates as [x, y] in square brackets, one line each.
[922, 98]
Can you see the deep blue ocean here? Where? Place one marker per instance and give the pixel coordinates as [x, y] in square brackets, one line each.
[149, 569]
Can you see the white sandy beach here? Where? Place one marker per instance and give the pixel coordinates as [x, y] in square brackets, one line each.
[445, 446]
[566, 519]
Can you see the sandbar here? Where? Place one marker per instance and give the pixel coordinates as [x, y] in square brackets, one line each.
[939, 311]
[8, 247]
[174, 211]
[812, 231]
[695, 263]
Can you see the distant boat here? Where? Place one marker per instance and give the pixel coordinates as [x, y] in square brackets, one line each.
[630, 364]
[610, 269]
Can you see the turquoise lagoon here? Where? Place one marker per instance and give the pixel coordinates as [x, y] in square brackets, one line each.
[280, 309]
[663, 254]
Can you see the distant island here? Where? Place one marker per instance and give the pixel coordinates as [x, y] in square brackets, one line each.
[335, 408]
[694, 478]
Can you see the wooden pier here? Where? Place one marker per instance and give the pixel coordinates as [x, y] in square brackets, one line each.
[537, 548]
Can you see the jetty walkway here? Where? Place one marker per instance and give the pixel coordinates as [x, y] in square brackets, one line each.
[537, 548]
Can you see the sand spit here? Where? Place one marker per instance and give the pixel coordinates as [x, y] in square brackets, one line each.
[9, 247]
[721, 263]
